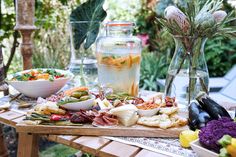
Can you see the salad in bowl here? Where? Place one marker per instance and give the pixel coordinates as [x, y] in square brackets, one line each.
[39, 82]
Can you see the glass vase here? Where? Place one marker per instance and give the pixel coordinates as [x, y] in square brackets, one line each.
[188, 72]
[83, 63]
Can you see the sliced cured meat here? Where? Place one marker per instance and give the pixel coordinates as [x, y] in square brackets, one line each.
[105, 119]
[98, 122]
[110, 120]
[82, 117]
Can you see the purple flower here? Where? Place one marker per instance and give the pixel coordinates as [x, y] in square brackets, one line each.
[144, 38]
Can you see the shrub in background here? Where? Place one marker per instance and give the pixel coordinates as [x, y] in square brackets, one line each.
[52, 47]
[219, 52]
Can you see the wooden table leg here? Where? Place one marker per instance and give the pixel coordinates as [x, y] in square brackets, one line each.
[3, 150]
[28, 145]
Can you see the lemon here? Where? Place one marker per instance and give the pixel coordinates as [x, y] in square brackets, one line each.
[188, 136]
[135, 59]
[233, 142]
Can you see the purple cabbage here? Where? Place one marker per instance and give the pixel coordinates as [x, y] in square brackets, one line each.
[214, 130]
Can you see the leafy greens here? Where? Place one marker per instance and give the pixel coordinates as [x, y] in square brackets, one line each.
[86, 20]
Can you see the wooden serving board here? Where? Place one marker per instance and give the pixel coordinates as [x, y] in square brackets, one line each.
[88, 130]
[119, 130]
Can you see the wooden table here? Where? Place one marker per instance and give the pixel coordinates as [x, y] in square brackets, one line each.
[99, 146]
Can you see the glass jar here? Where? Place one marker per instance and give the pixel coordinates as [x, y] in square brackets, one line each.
[118, 57]
[188, 73]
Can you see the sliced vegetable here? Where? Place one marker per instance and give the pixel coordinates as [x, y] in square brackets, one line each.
[68, 99]
[225, 140]
[83, 98]
[78, 94]
[76, 89]
[35, 116]
[224, 153]
[120, 96]
[120, 61]
[57, 117]
[228, 146]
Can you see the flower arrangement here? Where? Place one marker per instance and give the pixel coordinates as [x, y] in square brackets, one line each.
[197, 20]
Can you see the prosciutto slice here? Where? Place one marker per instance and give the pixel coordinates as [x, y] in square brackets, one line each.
[104, 119]
[97, 118]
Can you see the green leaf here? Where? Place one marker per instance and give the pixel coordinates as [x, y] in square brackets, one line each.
[64, 2]
[93, 12]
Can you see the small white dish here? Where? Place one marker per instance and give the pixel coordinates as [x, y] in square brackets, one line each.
[83, 105]
[39, 88]
[201, 151]
[148, 113]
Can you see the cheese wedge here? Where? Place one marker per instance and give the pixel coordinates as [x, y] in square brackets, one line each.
[126, 114]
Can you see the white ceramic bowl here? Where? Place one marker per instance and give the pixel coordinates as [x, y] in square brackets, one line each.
[83, 105]
[40, 88]
[148, 113]
[201, 151]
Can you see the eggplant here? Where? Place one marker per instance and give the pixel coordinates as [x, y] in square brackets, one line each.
[198, 118]
[215, 110]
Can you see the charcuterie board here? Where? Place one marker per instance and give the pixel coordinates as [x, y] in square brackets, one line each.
[135, 130]
[119, 130]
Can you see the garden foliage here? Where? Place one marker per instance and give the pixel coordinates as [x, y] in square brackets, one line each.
[219, 52]
[52, 47]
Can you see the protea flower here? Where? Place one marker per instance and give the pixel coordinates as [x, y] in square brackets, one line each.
[219, 15]
[174, 14]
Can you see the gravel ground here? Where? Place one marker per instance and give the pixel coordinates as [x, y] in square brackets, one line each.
[11, 141]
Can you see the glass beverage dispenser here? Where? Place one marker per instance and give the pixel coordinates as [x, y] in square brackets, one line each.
[119, 57]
